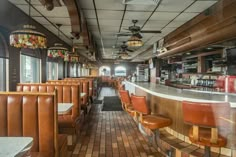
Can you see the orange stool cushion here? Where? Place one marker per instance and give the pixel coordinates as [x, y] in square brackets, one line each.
[205, 137]
[155, 122]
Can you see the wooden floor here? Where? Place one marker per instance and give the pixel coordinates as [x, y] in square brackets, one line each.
[111, 134]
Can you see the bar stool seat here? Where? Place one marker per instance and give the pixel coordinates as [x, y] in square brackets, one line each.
[206, 120]
[205, 138]
[155, 122]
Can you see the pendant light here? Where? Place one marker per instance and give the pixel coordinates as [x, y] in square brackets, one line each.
[57, 50]
[28, 37]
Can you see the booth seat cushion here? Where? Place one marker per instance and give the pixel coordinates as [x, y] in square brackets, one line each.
[205, 137]
[154, 122]
[66, 121]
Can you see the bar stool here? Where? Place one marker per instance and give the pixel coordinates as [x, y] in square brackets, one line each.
[206, 119]
[152, 122]
[126, 102]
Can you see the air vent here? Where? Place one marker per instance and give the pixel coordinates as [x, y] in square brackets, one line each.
[143, 2]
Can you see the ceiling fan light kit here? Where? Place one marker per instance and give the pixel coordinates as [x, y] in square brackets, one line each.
[134, 41]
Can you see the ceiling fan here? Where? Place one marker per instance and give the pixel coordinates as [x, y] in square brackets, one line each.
[123, 51]
[136, 30]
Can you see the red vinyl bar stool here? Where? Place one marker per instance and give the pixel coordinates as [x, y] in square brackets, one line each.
[206, 119]
[126, 102]
[152, 122]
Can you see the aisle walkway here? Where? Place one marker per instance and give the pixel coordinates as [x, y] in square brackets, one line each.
[111, 134]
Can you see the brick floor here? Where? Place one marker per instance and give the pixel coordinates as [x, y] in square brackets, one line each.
[111, 134]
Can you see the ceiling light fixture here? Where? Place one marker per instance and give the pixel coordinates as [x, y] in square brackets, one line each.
[58, 50]
[28, 37]
[134, 41]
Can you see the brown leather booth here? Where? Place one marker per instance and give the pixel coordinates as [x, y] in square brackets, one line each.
[85, 105]
[71, 122]
[33, 115]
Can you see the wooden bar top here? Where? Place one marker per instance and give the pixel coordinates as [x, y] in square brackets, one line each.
[182, 94]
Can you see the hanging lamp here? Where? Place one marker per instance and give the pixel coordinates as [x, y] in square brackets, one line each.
[58, 50]
[134, 41]
[28, 37]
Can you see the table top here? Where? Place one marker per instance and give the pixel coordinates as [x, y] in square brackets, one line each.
[82, 94]
[64, 107]
[15, 146]
[181, 94]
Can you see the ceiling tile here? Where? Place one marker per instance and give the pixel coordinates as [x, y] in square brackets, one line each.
[25, 8]
[17, 1]
[56, 12]
[109, 5]
[89, 14]
[168, 30]
[185, 16]
[87, 4]
[63, 20]
[156, 23]
[113, 15]
[93, 28]
[104, 22]
[175, 24]
[174, 6]
[140, 7]
[200, 6]
[109, 29]
[134, 15]
[42, 20]
[35, 2]
[164, 16]
[91, 22]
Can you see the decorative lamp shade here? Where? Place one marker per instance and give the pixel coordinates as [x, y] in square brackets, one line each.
[74, 59]
[67, 57]
[134, 41]
[57, 51]
[28, 38]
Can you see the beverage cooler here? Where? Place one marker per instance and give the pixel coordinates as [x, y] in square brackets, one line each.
[142, 73]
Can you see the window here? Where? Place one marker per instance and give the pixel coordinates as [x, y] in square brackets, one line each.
[120, 71]
[52, 71]
[73, 69]
[30, 69]
[4, 74]
[105, 71]
[79, 73]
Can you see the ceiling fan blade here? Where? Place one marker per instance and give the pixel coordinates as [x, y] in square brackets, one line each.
[123, 34]
[149, 31]
[138, 35]
[130, 50]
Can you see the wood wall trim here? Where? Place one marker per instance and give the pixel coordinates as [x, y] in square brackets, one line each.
[75, 17]
[204, 29]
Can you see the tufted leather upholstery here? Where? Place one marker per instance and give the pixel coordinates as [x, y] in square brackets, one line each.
[66, 94]
[84, 84]
[149, 121]
[205, 117]
[32, 115]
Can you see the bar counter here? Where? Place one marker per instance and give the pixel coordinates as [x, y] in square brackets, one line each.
[167, 101]
[183, 94]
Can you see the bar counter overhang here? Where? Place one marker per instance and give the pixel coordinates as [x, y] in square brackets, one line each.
[167, 101]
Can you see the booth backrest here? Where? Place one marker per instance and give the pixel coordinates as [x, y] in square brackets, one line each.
[31, 115]
[66, 93]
